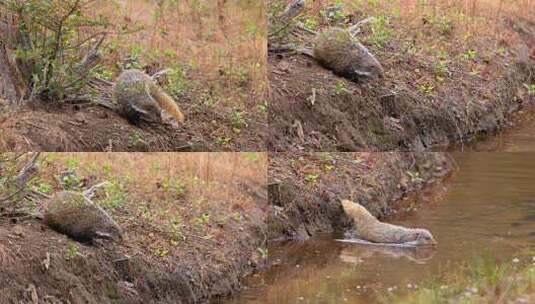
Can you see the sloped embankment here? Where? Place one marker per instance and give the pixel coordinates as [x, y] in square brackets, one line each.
[40, 265]
[305, 190]
[442, 85]
[93, 128]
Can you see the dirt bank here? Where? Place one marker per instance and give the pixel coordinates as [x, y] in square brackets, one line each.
[305, 189]
[86, 129]
[186, 240]
[447, 80]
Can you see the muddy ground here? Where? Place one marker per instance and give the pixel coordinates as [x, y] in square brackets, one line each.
[419, 105]
[149, 266]
[93, 128]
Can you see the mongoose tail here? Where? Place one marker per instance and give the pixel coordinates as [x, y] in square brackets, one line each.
[167, 103]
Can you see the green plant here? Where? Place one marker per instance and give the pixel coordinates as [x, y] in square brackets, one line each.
[175, 228]
[381, 31]
[311, 23]
[442, 69]
[263, 252]
[44, 187]
[445, 26]
[427, 88]
[47, 38]
[72, 252]
[174, 185]
[160, 252]
[237, 119]
[335, 13]
[340, 88]
[203, 219]
[115, 197]
[69, 180]
[223, 141]
[177, 82]
[264, 106]
[312, 177]
[531, 88]
[135, 139]
[415, 176]
[470, 54]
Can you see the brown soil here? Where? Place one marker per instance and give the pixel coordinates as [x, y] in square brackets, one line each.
[313, 109]
[40, 265]
[86, 129]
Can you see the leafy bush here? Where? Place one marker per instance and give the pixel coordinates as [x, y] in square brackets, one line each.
[47, 39]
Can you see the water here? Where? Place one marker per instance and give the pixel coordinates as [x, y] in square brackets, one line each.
[519, 138]
[489, 206]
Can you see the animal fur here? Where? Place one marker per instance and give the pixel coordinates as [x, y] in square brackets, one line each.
[140, 99]
[337, 50]
[73, 214]
[371, 229]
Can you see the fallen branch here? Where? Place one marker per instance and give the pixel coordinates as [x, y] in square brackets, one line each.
[28, 171]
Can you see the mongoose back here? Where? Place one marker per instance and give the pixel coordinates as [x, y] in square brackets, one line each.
[73, 214]
[337, 50]
[141, 99]
[371, 229]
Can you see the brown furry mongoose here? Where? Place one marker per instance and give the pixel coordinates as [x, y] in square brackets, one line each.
[75, 215]
[337, 50]
[371, 229]
[141, 99]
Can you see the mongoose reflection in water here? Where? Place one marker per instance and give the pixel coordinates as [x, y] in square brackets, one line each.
[141, 99]
[371, 229]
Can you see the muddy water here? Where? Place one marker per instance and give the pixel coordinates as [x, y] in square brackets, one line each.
[489, 206]
[518, 138]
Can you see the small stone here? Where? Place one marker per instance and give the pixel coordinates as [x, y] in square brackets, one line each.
[516, 260]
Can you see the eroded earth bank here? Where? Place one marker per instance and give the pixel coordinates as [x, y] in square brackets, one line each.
[451, 73]
[190, 235]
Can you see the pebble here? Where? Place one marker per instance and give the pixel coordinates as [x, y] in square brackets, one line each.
[472, 290]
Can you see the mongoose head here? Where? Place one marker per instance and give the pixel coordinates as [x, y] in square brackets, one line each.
[421, 237]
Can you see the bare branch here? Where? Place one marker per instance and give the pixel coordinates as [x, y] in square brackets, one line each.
[28, 171]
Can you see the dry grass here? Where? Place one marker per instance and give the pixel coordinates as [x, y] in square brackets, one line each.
[141, 172]
[220, 41]
[167, 200]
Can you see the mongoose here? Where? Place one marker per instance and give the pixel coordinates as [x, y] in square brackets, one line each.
[371, 229]
[337, 50]
[141, 99]
[75, 215]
